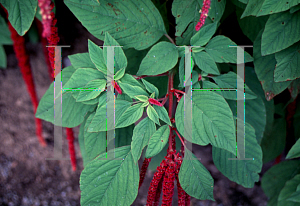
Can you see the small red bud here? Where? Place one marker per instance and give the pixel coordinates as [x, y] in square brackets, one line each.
[155, 102]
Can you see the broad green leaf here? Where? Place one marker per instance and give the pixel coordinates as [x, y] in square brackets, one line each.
[120, 60]
[151, 88]
[162, 114]
[158, 141]
[119, 74]
[288, 63]
[276, 6]
[141, 135]
[124, 97]
[205, 62]
[212, 121]
[145, 104]
[91, 90]
[130, 23]
[96, 55]
[94, 142]
[142, 98]
[251, 25]
[4, 33]
[243, 172]
[204, 35]
[123, 136]
[281, 31]
[161, 58]
[102, 179]
[275, 178]
[20, 13]
[3, 61]
[212, 87]
[81, 60]
[289, 188]
[294, 151]
[99, 122]
[132, 91]
[130, 116]
[252, 8]
[84, 155]
[218, 48]
[230, 80]
[264, 68]
[152, 114]
[195, 179]
[185, 38]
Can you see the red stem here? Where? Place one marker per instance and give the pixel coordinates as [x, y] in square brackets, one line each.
[170, 94]
[70, 138]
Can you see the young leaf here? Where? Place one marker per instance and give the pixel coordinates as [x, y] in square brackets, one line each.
[139, 24]
[141, 135]
[96, 55]
[194, 178]
[132, 91]
[158, 141]
[294, 151]
[105, 178]
[218, 48]
[91, 90]
[145, 104]
[142, 98]
[152, 114]
[252, 8]
[162, 57]
[151, 88]
[207, 108]
[119, 74]
[162, 114]
[205, 62]
[204, 35]
[243, 172]
[289, 188]
[129, 79]
[130, 116]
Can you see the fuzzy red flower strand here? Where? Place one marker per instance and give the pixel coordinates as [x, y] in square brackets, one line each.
[144, 170]
[204, 12]
[45, 11]
[70, 138]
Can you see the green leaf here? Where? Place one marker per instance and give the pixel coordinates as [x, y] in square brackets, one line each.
[161, 84]
[275, 178]
[281, 31]
[142, 98]
[205, 62]
[252, 8]
[230, 80]
[141, 135]
[3, 61]
[218, 48]
[208, 108]
[4, 33]
[276, 6]
[130, 116]
[145, 104]
[96, 56]
[288, 62]
[120, 60]
[124, 97]
[161, 58]
[102, 179]
[295, 197]
[289, 188]
[151, 88]
[162, 114]
[94, 142]
[119, 74]
[99, 122]
[132, 91]
[158, 141]
[81, 60]
[295, 8]
[294, 151]
[264, 68]
[212, 86]
[195, 179]
[84, 155]
[243, 172]
[204, 35]
[20, 13]
[182, 70]
[152, 114]
[131, 23]
[91, 90]
[129, 79]
[123, 136]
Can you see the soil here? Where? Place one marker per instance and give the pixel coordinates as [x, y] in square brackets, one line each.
[26, 178]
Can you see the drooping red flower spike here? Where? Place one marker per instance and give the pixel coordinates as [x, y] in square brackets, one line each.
[204, 12]
[168, 184]
[155, 102]
[144, 170]
[45, 11]
[24, 64]
[70, 138]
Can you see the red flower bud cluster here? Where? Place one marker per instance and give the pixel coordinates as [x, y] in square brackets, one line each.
[155, 102]
[204, 12]
[45, 11]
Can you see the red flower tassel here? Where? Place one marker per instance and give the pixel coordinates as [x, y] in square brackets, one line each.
[155, 102]
[144, 170]
[24, 64]
[158, 192]
[204, 12]
[70, 138]
[168, 184]
[45, 6]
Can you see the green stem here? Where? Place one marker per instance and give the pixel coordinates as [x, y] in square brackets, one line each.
[171, 40]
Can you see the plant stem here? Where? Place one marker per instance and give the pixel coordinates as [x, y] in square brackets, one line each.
[171, 40]
[143, 76]
[170, 94]
[179, 137]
